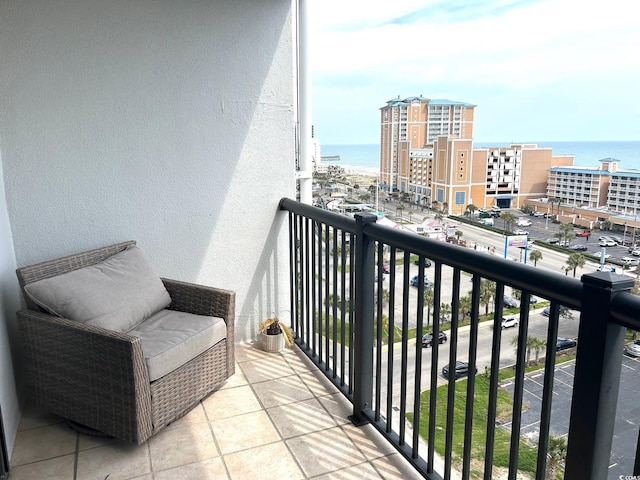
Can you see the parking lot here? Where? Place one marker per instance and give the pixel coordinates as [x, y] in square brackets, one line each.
[625, 429]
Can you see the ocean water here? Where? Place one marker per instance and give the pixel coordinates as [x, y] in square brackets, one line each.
[586, 154]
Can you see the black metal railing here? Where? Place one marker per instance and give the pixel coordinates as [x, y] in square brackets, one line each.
[363, 328]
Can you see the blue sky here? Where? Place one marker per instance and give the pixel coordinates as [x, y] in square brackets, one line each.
[536, 70]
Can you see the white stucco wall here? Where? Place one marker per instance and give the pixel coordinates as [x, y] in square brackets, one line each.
[171, 123]
[9, 349]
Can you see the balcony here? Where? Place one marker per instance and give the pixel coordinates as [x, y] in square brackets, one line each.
[333, 406]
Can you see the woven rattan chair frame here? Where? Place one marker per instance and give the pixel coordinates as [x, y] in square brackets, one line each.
[98, 378]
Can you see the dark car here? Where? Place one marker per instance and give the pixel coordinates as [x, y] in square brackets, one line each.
[510, 302]
[415, 279]
[547, 310]
[427, 262]
[579, 248]
[564, 343]
[461, 370]
[427, 338]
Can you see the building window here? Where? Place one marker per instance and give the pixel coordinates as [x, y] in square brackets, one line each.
[440, 195]
[460, 198]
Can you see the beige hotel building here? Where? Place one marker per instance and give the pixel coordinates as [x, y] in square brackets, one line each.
[426, 150]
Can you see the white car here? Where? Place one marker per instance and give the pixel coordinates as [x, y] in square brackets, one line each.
[599, 254]
[633, 349]
[607, 243]
[524, 223]
[630, 262]
[635, 252]
[508, 322]
[538, 214]
[521, 232]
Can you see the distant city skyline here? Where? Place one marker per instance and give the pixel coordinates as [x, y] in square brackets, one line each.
[550, 69]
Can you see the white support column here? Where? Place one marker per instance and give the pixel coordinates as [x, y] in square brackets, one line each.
[304, 175]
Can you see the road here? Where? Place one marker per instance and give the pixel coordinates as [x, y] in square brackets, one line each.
[538, 324]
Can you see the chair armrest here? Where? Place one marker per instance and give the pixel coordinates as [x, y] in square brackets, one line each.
[201, 300]
[210, 301]
[74, 369]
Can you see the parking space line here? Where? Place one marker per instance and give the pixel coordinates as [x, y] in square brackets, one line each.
[531, 393]
[629, 367]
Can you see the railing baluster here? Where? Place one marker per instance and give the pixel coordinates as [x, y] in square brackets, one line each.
[494, 379]
[379, 322]
[418, 365]
[391, 342]
[404, 344]
[471, 382]
[518, 394]
[547, 391]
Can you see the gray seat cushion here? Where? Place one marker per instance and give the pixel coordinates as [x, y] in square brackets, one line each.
[170, 339]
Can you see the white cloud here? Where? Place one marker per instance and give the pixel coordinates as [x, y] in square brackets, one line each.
[507, 47]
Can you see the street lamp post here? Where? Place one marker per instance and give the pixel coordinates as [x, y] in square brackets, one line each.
[546, 220]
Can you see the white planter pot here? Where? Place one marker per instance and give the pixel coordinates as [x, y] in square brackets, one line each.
[272, 343]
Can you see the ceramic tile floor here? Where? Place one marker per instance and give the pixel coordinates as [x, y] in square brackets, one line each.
[277, 417]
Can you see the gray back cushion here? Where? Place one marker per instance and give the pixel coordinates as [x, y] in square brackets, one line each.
[117, 293]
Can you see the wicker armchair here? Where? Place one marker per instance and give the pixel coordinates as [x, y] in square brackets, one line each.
[98, 378]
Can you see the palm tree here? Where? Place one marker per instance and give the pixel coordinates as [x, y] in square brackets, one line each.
[399, 208]
[567, 232]
[537, 345]
[465, 305]
[509, 221]
[574, 261]
[471, 209]
[535, 255]
[434, 205]
[410, 214]
[428, 302]
[487, 289]
[365, 197]
[556, 453]
[458, 234]
[532, 343]
[445, 310]
[445, 208]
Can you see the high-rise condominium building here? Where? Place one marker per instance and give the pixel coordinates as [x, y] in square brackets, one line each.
[426, 150]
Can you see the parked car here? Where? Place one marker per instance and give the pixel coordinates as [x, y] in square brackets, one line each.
[524, 222]
[564, 343]
[521, 232]
[599, 254]
[415, 279]
[630, 261]
[461, 369]
[427, 262]
[533, 300]
[386, 268]
[538, 214]
[551, 240]
[583, 233]
[579, 248]
[633, 349]
[427, 338]
[508, 322]
[510, 302]
[547, 310]
[607, 243]
[635, 252]
[633, 247]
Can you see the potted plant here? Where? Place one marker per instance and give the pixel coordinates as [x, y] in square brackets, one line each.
[275, 335]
